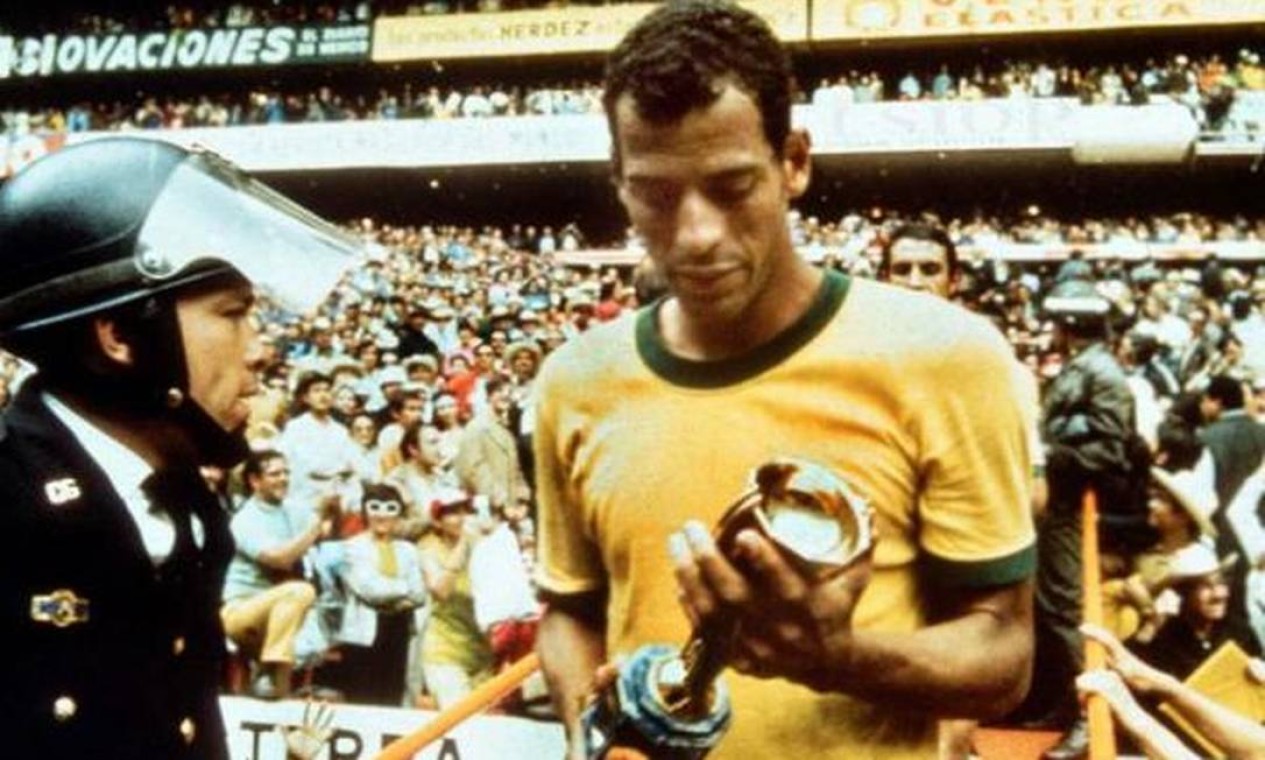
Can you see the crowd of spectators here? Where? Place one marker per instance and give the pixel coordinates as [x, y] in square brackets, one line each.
[418, 374]
[212, 15]
[1208, 86]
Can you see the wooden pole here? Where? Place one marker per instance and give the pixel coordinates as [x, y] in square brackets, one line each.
[477, 701]
[1102, 737]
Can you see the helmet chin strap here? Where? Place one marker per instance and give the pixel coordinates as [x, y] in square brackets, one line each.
[153, 390]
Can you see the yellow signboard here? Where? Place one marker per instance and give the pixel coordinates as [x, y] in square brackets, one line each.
[838, 20]
[542, 32]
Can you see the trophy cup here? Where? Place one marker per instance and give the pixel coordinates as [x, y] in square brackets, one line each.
[670, 704]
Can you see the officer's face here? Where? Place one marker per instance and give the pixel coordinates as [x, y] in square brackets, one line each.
[223, 350]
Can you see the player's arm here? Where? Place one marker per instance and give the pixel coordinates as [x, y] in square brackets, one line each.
[571, 644]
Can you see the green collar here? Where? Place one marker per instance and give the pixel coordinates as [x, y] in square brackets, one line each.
[718, 374]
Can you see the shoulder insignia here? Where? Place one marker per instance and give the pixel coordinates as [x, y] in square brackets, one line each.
[62, 608]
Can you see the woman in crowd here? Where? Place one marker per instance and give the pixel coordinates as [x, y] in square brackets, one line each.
[385, 588]
[456, 656]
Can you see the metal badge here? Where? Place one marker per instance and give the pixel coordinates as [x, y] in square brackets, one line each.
[62, 608]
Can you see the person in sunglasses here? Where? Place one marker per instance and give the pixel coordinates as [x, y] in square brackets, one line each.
[384, 579]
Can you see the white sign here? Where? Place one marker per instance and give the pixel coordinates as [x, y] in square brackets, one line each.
[255, 733]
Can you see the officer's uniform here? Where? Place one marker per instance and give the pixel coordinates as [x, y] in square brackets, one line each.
[114, 648]
[99, 640]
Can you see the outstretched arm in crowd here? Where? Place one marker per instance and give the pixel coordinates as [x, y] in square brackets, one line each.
[1235, 734]
[1152, 737]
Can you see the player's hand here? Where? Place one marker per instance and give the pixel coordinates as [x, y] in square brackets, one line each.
[1139, 676]
[1109, 685]
[305, 742]
[603, 678]
[790, 625]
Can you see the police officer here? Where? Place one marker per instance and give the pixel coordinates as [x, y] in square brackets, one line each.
[130, 273]
[1087, 424]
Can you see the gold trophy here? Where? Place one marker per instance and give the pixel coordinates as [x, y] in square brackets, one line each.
[671, 704]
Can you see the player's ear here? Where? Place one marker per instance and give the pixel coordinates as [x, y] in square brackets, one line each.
[797, 165]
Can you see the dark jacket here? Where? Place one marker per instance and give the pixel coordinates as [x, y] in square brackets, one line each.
[1237, 444]
[107, 654]
[1087, 417]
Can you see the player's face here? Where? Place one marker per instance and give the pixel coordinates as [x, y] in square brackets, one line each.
[920, 265]
[223, 351]
[709, 196]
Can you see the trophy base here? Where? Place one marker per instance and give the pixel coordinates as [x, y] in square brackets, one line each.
[632, 714]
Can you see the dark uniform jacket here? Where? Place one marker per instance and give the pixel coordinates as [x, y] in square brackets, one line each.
[106, 654]
[1087, 417]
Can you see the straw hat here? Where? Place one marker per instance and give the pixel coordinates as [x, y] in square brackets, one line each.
[1183, 490]
[1196, 560]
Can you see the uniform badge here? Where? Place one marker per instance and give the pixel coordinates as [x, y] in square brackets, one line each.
[62, 608]
[61, 491]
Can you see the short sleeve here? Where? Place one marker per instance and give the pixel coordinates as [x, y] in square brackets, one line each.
[568, 561]
[974, 433]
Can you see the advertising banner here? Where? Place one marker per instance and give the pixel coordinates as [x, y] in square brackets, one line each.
[550, 31]
[841, 20]
[69, 54]
[256, 731]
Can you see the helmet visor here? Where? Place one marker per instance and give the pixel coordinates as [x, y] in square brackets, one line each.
[210, 212]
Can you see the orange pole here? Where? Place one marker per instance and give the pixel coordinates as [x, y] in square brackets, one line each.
[475, 702]
[1102, 737]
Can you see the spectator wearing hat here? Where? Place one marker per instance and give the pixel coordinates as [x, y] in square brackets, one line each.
[523, 359]
[390, 383]
[413, 338]
[321, 353]
[441, 326]
[487, 459]
[530, 325]
[1203, 623]
[1179, 511]
[456, 656]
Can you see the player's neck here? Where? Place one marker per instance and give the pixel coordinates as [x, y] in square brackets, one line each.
[772, 312]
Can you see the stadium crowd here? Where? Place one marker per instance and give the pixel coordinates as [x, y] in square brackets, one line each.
[400, 416]
[1207, 85]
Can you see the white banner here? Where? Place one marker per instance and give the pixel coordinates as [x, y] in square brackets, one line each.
[1038, 124]
[1027, 123]
[255, 733]
[402, 143]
